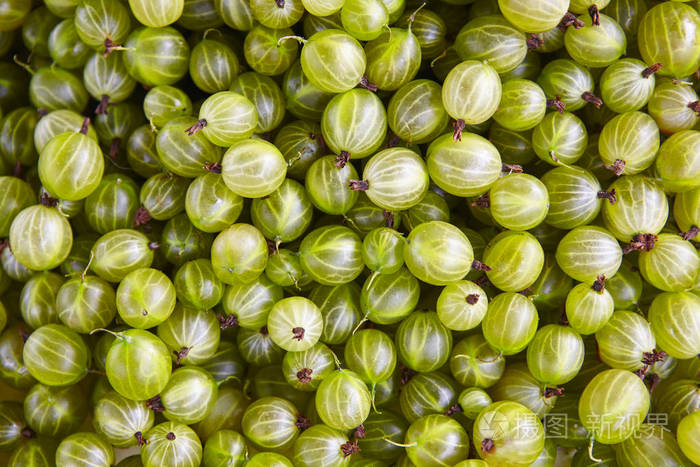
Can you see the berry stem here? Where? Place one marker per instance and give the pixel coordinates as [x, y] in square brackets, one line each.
[609, 195]
[200, 125]
[364, 83]
[459, 126]
[359, 185]
[103, 106]
[594, 14]
[342, 159]
[556, 104]
[592, 99]
[691, 233]
[85, 126]
[650, 70]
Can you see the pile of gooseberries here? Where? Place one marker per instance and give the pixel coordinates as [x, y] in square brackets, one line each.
[349, 233]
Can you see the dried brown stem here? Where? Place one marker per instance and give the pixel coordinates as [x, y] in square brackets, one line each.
[359, 185]
[459, 126]
[342, 159]
[103, 106]
[609, 195]
[592, 99]
[650, 70]
[194, 129]
[594, 14]
[364, 83]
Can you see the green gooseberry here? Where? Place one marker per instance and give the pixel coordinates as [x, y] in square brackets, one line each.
[55, 412]
[587, 252]
[138, 364]
[90, 448]
[191, 336]
[518, 201]
[510, 323]
[613, 405]
[196, 284]
[588, 308]
[472, 401]
[428, 393]
[410, 125]
[631, 140]
[676, 163]
[266, 96]
[285, 214]
[173, 443]
[627, 84]
[213, 66]
[15, 195]
[122, 421]
[271, 423]
[364, 19]
[99, 20]
[555, 354]
[145, 298]
[295, 323]
[493, 40]
[164, 103]
[71, 166]
[37, 302]
[596, 45]
[239, 253]
[226, 118]
[16, 133]
[523, 105]
[210, 205]
[321, 445]
[333, 60]
[156, 56]
[53, 88]
[184, 151]
[520, 14]
[56, 355]
[575, 197]
[560, 138]
[65, 47]
[436, 439]
[250, 303]
[181, 241]
[382, 250]
[343, 400]
[438, 253]
[354, 124]
[573, 83]
[253, 168]
[162, 197]
[340, 308]
[371, 354]
[671, 265]
[225, 447]
[107, 80]
[267, 52]
[303, 98]
[471, 93]
[423, 342]
[331, 255]
[509, 433]
[113, 204]
[141, 152]
[515, 260]
[284, 269]
[626, 341]
[304, 370]
[666, 35]
[86, 303]
[189, 395]
[461, 305]
[394, 179]
[227, 413]
[674, 323]
[328, 186]
[156, 13]
[382, 308]
[393, 58]
[121, 251]
[631, 214]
